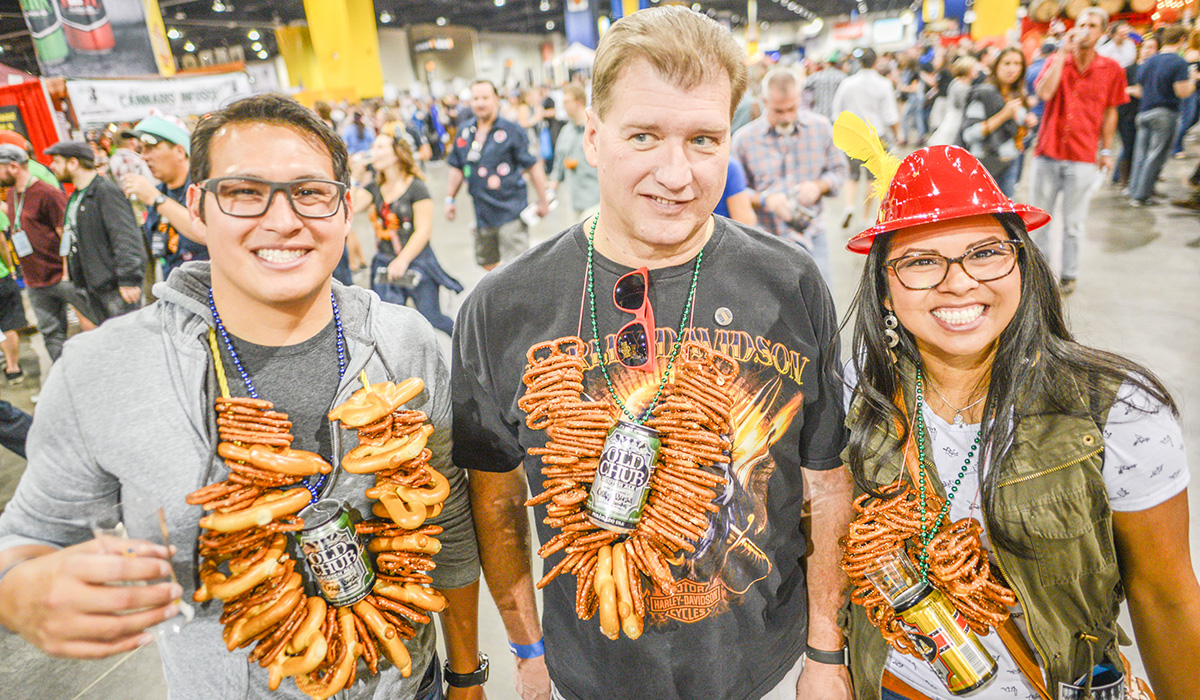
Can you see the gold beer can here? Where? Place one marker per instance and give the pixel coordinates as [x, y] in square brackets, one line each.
[943, 637]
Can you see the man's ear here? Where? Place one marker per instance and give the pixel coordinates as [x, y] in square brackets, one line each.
[195, 205]
[590, 126]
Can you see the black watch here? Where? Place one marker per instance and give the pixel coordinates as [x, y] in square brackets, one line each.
[466, 680]
[835, 658]
[158, 201]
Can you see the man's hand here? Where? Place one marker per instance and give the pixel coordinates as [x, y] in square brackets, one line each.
[820, 681]
[130, 294]
[543, 208]
[67, 603]
[808, 192]
[533, 679]
[1105, 162]
[138, 186]
[451, 210]
[777, 204]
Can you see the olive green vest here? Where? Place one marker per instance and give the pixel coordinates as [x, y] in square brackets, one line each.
[1052, 500]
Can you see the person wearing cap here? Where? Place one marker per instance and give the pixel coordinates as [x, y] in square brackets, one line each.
[105, 252]
[1082, 91]
[963, 366]
[36, 169]
[36, 210]
[166, 147]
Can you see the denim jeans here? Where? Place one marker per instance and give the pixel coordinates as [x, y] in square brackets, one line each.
[1189, 112]
[426, 296]
[1007, 179]
[14, 427]
[1154, 130]
[886, 694]
[50, 307]
[431, 684]
[1073, 180]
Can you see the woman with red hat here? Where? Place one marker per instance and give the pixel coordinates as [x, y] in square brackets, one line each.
[969, 391]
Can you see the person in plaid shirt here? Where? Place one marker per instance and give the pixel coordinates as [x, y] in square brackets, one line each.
[791, 164]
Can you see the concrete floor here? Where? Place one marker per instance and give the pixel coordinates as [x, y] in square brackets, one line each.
[1137, 295]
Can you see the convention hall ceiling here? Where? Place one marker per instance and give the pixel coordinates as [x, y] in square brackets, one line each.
[214, 23]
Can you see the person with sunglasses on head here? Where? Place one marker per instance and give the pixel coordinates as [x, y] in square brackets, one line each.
[638, 294]
[166, 148]
[966, 387]
[128, 415]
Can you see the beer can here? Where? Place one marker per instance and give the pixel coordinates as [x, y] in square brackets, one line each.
[941, 634]
[622, 484]
[334, 553]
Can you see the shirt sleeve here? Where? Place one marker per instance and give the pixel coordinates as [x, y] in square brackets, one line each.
[520, 149]
[418, 191]
[483, 438]
[455, 157]
[1116, 95]
[1144, 459]
[823, 434]
[735, 179]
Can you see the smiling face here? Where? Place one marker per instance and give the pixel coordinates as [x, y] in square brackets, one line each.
[662, 152]
[279, 260]
[958, 321]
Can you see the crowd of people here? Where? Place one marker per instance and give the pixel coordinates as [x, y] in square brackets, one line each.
[967, 409]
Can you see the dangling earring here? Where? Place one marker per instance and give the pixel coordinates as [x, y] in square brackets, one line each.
[890, 324]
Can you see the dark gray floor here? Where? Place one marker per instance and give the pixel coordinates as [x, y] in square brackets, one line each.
[1137, 295]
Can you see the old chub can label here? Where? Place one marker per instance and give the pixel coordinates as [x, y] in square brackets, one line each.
[335, 554]
[942, 636]
[622, 482]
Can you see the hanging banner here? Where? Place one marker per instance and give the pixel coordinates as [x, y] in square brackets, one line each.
[96, 38]
[104, 101]
[580, 23]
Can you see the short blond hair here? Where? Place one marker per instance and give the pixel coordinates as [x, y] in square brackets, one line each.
[685, 47]
[576, 92]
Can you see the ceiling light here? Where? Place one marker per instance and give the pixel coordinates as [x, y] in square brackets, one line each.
[189, 47]
[695, 7]
[253, 35]
[174, 33]
[262, 55]
[385, 17]
[550, 25]
[218, 6]
[498, 3]
[441, 21]
[545, 6]
[256, 46]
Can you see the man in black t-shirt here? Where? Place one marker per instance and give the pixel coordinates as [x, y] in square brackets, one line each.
[751, 595]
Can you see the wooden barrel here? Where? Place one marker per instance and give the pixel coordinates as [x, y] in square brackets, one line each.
[1044, 10]
[1143, 6]
[1112, 7]
[1074, 7]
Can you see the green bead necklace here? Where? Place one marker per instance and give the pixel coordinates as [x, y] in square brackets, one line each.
[683, 322]
[927, 534]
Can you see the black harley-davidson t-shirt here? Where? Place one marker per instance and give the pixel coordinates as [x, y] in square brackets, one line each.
[738, 620]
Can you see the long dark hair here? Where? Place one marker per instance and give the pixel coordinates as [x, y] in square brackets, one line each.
[1018, 86]
[1037, 363]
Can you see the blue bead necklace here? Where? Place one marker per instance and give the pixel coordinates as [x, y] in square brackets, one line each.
[313, 484]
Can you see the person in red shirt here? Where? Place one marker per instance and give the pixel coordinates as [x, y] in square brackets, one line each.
[1082, 90]
[36, 211]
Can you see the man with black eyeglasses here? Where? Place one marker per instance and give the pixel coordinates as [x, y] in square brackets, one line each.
[656, 314]
[166, 148]
[129, 413]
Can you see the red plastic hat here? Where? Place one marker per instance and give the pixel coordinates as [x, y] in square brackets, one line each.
[9, 136]
[940, 183]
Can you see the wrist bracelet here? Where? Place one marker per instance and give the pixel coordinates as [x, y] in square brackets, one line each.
[13, 565]
[837, 658]
[1105, 152]
[449, 200]
[528, 651]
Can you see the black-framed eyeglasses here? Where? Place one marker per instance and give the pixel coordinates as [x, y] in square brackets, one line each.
[985, 262]
[250, 197]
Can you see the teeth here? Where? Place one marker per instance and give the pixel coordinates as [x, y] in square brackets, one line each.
[660, 199]
[279, 256]
[959, 317]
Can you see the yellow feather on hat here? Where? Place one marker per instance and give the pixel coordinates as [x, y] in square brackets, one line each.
[859, 140]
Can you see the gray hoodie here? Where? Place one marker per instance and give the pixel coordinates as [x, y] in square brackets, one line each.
[126, 414]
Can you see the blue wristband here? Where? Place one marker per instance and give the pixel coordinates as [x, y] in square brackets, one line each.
[528, 651]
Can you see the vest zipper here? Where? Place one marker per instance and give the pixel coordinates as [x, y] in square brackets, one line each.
[1027, 477]
[1000, 559]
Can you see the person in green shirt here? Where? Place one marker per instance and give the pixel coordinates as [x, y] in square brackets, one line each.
[12, 312]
